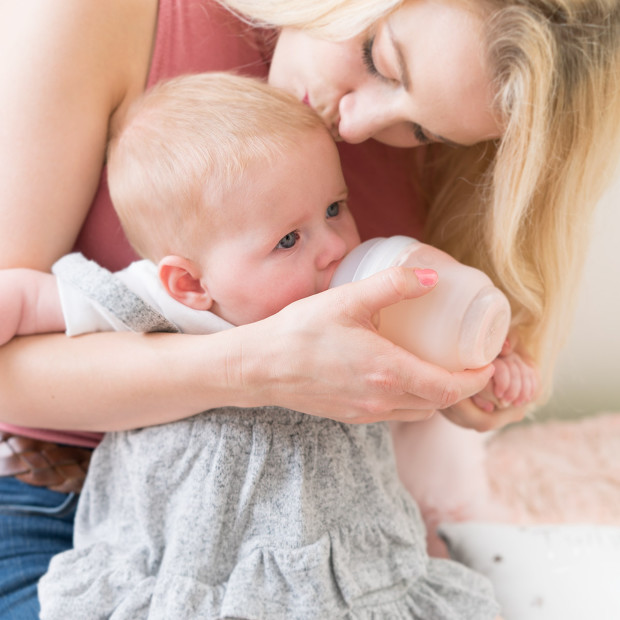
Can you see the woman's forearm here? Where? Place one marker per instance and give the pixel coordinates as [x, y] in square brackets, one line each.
[321, 355]
[112, 381]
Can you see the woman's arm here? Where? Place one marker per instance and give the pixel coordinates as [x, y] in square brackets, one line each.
[320, 355]
[68, 70]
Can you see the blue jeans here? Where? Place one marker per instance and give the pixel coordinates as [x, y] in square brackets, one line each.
[35, 524]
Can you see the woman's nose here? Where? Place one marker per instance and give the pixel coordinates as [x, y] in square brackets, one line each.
[365, 112]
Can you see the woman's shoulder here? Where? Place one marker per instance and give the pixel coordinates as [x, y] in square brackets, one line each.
[67, 68]
[87, 43]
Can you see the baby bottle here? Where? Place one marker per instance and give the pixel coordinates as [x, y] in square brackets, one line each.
[461, 323]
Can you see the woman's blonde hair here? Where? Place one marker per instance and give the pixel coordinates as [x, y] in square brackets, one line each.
[332, 19]
[187, 141]
[519, 208]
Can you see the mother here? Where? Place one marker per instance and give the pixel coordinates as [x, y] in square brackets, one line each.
[539, 74]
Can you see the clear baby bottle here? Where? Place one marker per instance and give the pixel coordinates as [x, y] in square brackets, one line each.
[462, 323]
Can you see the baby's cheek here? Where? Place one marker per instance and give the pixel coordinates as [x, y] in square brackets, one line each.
[280, 298]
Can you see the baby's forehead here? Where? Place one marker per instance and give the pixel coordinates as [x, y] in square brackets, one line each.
[264, 150]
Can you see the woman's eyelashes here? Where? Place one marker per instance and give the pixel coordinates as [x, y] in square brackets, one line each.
[369, 63]
[419, 134]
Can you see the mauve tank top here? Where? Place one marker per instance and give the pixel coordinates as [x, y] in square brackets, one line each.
[199, 35]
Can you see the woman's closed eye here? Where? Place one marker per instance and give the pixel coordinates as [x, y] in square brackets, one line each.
[369, 63]
[288, 241]
[418, 132]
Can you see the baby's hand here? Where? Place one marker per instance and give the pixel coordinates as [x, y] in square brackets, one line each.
[514, 383]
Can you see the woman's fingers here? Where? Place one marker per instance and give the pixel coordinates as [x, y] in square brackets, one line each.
[323, 355]
[364, 299]
[440, 387]
[483, 402]
[468, 415]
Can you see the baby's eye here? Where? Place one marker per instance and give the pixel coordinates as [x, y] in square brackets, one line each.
[288, 241]
[333, 210]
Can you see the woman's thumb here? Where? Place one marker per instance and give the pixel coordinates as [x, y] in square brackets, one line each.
[396, 284]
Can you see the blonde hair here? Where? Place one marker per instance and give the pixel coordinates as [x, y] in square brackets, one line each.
[519, 208]
[188, 140]
[331, 19]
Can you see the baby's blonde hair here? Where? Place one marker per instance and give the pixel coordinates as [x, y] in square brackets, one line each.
[519, 208]
[187, 141]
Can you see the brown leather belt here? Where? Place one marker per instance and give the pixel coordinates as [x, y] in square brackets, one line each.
[58, 467]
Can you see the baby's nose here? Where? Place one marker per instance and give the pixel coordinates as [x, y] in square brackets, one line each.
[334, 248]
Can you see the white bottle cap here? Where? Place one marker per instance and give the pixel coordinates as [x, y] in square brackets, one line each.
[370, 257]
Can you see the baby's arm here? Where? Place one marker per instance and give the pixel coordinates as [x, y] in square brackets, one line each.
[29, 304]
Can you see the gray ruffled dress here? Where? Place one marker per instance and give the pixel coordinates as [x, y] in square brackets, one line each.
[261, 514]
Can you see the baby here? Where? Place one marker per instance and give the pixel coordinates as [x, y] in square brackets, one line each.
[233, 193]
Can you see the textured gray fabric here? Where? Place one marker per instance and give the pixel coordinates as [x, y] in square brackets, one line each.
[262, 514]
[101, 286]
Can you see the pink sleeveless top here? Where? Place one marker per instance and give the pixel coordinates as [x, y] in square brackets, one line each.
[199, 35]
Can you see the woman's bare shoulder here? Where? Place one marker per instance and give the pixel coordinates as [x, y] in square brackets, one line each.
[66, 69]
[96, 40]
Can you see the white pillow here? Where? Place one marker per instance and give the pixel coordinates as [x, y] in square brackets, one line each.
[544, 572]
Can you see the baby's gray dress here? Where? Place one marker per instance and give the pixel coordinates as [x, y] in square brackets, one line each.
[261, 514]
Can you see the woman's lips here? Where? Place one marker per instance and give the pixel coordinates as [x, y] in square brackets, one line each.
[335, 132]
[331, 120]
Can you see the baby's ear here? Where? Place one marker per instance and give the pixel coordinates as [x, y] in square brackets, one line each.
[181, 278]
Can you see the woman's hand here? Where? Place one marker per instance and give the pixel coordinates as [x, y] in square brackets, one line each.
[468, 415]
[322, 355]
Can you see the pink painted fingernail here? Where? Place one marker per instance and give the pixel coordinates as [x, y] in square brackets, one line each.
[426, 277]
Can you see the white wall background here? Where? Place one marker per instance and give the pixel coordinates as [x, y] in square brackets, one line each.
[588, 373]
